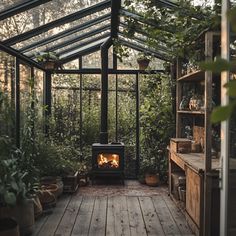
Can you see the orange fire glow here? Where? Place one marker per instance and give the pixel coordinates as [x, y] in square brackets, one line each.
[108, 160]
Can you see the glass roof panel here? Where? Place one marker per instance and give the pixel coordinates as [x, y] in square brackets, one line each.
[57, 34]
[5, 4]
[83, 48]
[41, 15]
[72, 40]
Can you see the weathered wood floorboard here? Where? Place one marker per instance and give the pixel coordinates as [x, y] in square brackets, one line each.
[117, 217]
[67, 222]
[84, 216]
[121, 215]
[168, 224]
[137, 226]
[151, 220]
[98, 222]
[54, 219]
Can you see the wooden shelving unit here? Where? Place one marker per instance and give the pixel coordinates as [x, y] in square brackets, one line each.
[201, 171]
[191, 112]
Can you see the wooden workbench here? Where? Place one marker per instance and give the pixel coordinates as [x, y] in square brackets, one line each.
[192, 165]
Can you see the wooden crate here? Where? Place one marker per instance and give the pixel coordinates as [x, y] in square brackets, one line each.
[70, 183]
[182, 145]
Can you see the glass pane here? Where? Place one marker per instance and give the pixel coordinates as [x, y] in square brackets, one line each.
[66, 110]
[127, 120]
[5, 4]
[25, 97]
[44, 14]
[7, 95]
[91, 109]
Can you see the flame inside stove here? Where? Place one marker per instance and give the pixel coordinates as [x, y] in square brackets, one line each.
[107, 160]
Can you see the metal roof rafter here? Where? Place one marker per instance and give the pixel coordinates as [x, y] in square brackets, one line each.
[142, 49]
[76, 39]
[21, 7]
[66, 33]
[115, 9]
[86, 51]
[135, 16]
[83, 44]
[142, 41]
[19, 55]
[61, 21]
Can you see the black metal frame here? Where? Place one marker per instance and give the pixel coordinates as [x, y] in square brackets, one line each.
[26, 55]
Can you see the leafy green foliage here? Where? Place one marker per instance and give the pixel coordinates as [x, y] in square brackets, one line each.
[222, 113]
[13, 189]
[157, 125]
[175, 28]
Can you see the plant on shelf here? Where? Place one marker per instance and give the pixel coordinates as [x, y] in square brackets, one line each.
[48, 59]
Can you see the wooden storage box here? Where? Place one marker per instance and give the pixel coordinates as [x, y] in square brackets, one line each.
[181, 145]
[70, 183]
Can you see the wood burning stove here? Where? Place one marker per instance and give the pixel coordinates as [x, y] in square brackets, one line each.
[108, 160]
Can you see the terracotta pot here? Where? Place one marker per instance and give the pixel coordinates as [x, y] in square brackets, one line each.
[143, 63]
[152, 179]
[38, 209]
[48, 180]
[9, 227]
[50, 65]
[23, 214]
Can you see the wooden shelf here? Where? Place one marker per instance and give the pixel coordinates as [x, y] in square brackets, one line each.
[194, 76]
[192, 112]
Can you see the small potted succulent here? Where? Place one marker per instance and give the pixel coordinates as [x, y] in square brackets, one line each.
[143, 61]
[48, 59]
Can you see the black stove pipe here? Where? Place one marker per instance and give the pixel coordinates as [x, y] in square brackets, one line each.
[104, 90]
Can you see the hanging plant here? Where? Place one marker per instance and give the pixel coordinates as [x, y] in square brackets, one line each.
[49, 60]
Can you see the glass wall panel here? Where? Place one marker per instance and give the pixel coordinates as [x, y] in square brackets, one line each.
[91, 109]
[127, 120]
[7, 95]
[66, 110]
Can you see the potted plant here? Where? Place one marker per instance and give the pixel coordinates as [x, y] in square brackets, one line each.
[15, 200]
[143, 61]
[48, 59]
[9, 227]
[150, 172]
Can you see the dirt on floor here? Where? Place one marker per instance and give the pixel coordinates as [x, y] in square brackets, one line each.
[130, 188]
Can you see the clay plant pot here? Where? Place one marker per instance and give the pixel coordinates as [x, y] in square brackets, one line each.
[143, 63]
[53, 188]
[38, 209]
[152, 180]
[24, 215]
[49, 65]
[9, 227]
[48, 180]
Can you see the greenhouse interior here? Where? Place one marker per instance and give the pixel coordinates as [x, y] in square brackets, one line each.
[117, 117]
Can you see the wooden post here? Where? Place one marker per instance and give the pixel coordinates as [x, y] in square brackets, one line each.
[178, 98]
[224, 182]
[208, 136]
[137, 126]
[17, 102]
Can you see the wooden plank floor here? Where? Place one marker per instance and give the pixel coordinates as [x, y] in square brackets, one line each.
[113, 215]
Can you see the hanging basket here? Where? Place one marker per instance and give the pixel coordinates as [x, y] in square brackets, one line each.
[49, 65]
[143, 63]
